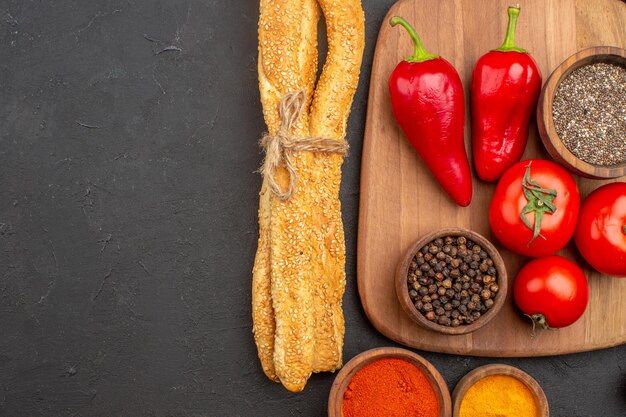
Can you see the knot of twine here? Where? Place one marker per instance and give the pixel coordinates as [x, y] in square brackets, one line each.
[279, 148]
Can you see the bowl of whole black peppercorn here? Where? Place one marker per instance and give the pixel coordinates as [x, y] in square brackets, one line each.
[452, 281]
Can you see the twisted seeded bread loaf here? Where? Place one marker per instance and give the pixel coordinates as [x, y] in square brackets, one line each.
[287, 63]
[329, 115]
[303, 274]
[315, 209]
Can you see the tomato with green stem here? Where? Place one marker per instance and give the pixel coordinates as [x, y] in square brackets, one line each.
[552, 291]
[534, 209]
[601, 230]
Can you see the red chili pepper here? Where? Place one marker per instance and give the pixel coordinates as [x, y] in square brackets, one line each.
[505, 86]
[428, 103]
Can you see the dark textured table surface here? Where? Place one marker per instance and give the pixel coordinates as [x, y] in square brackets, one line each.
[128, 225]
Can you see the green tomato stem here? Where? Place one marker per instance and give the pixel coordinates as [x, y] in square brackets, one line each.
[538, 319]
[540, 201]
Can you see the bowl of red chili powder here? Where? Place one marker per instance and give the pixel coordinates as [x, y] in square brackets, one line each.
[389, 382]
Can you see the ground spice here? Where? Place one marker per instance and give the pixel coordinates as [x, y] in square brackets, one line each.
[589, 112]
[390, 387]
[499, 396]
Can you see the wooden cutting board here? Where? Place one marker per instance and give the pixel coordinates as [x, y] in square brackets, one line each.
[400, 200]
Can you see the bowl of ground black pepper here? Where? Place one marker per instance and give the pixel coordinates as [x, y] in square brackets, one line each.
[389, 382]
[581, 114]
[452, 281]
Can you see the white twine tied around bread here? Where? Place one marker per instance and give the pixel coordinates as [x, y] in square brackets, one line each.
[279, 148]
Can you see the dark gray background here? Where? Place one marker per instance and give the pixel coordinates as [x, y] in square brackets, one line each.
[128, 222]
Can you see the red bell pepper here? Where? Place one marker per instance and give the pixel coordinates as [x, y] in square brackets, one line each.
[428, 103]
[505, 87]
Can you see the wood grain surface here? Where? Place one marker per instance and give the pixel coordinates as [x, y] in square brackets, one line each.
[400, 200]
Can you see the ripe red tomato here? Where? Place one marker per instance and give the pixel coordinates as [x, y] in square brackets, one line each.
[534, 209]
[552, 291]
[601, 230]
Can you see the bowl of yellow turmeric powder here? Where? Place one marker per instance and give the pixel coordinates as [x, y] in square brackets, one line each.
[499, 390]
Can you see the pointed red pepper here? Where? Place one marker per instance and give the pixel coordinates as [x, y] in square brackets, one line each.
[429, 105]
[505, 87]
